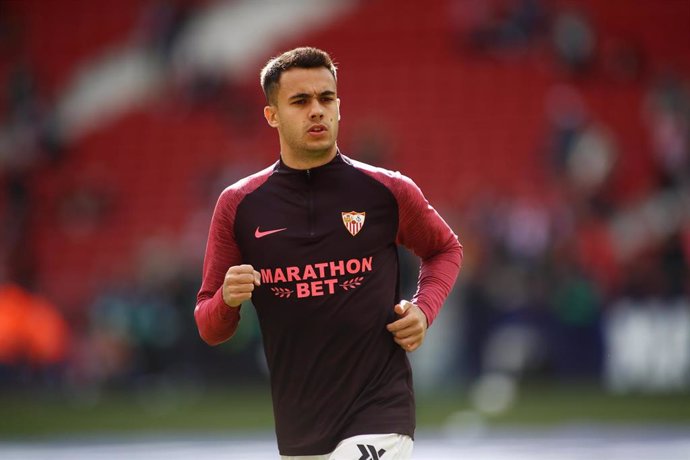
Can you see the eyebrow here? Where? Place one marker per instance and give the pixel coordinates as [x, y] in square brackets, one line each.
[307, 96]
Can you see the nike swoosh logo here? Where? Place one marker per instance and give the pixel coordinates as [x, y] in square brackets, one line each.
[259, 234]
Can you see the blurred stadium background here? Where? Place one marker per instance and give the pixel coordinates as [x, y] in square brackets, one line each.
[553, 135]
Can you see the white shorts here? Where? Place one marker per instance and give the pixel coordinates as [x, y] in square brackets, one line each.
[367, 447]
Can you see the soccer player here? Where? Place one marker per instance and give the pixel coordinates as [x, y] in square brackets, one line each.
[312, 241]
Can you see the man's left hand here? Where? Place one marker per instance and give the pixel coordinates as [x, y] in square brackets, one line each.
[409, 330]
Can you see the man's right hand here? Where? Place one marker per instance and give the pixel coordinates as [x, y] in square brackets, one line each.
[239, 284]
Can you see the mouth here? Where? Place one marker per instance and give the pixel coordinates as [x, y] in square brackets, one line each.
[317, 130]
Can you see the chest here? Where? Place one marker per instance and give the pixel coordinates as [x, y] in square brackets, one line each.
[300, 219]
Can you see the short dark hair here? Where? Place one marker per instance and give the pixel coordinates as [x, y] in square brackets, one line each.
[304, 57]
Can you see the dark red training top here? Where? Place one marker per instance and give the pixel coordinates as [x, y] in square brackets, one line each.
[324, 241]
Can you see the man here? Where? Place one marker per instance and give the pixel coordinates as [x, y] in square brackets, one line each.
[312, 241]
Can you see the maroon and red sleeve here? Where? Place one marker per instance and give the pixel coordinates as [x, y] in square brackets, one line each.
[425, 232]
[216, 321]
[422, 230]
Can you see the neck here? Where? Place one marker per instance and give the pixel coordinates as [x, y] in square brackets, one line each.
[307, 160]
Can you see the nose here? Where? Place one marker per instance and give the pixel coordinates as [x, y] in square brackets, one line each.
[316, 110]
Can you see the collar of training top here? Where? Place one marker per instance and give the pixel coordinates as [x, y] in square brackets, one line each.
[281, 166]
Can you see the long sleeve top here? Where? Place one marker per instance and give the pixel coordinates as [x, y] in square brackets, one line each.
[325, 243]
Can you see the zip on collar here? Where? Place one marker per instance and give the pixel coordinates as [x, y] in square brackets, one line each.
[281, 166]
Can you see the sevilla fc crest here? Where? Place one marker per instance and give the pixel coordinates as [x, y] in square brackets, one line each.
[354, 221]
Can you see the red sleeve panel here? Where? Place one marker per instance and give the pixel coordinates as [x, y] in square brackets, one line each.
[215, 320]
[422, 230]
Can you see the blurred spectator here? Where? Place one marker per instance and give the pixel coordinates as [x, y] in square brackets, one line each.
[34, 336]
[16, 252]
[31, 133]
[675, 265]
[162, 23]
[667, 113]
[527, 232]
[590, 161]
[574, 41]
[581, 150]
[566, 116]
[501, 27]
[576, 338]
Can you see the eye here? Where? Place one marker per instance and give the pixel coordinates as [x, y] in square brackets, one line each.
[299, 102]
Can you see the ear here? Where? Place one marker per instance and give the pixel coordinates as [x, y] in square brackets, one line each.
[338, 104]
[271, 115]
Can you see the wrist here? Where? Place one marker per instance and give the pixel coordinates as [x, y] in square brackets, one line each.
[230, 305]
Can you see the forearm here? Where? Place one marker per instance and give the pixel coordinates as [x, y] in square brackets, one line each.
[215, 320]
[437, 274]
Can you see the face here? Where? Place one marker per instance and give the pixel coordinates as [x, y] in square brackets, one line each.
[306, 112]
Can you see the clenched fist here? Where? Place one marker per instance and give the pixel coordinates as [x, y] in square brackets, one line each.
[239, 284]
[409, 330]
